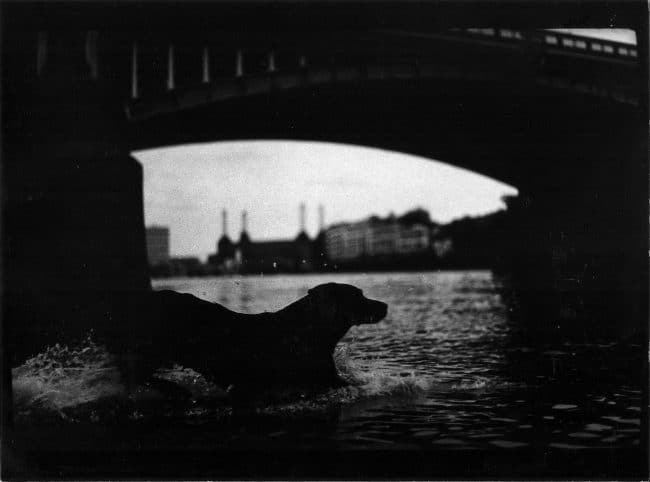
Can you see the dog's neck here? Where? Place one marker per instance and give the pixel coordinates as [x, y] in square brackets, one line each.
[303, 306]
[312, 309]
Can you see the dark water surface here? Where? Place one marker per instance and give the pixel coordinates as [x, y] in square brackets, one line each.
[446, 370]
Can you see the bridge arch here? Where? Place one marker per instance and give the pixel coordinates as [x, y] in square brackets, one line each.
[492, 127]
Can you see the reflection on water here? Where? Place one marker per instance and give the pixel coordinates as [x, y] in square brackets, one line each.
[444, 370]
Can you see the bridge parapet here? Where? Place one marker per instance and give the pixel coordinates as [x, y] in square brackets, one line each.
[552, 59]
[561, 42]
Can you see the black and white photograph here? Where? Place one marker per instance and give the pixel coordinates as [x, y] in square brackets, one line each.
[324, 240]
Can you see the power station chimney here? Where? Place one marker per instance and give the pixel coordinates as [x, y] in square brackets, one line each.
[302, 217]
[244, 239]
[321, 218]
[244, 226]
[224, 223]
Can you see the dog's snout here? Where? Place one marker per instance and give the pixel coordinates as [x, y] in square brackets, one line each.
[380, 309]
[383, 310]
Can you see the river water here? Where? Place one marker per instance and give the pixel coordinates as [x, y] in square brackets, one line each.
[445, 370]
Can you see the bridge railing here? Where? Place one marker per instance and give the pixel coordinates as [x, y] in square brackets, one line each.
[561, 41]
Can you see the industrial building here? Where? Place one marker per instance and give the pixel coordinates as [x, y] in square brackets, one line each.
[157, 245]
[296, 255]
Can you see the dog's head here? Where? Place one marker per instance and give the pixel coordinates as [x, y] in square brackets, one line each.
[347, 304]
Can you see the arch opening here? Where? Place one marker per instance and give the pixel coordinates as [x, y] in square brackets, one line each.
[289, 188]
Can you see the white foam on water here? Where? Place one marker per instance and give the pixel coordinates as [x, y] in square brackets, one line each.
[482, 383]
[374, 380]
[61, 377]
[478, 384]
[193, 381]
[366, 379]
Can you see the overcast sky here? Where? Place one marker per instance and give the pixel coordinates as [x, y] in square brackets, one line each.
[186, 187]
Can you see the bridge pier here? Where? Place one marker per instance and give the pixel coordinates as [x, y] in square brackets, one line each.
[73, 219]
[577, 252]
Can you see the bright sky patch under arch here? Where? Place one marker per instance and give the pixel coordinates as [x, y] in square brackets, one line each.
[186, 187]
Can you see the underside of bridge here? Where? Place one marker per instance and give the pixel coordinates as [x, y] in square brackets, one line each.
[527, 136]
[73, 220]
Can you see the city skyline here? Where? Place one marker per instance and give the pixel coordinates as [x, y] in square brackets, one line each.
[234, 235]
[187, 187]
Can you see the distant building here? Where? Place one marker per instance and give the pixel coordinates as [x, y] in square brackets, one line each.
[157, 245]
[225, 247]
[381, 237]
[345, 242]
[281, 256]
[413, 239]
[443, 247]
[375, 237]
[274, 256]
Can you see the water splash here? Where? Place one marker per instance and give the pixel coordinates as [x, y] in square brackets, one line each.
[373, 380]
[74, 380]
[481, 383]
[196, 384]
[367, 379]
[62, 377]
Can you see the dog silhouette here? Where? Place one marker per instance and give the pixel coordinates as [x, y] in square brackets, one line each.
[250, 352]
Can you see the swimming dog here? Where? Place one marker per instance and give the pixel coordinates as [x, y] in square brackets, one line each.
[290, 347]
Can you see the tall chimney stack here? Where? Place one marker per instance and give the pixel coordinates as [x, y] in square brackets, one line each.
[224, 223]
[244, 228]
[302, 217]
[321, 217]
